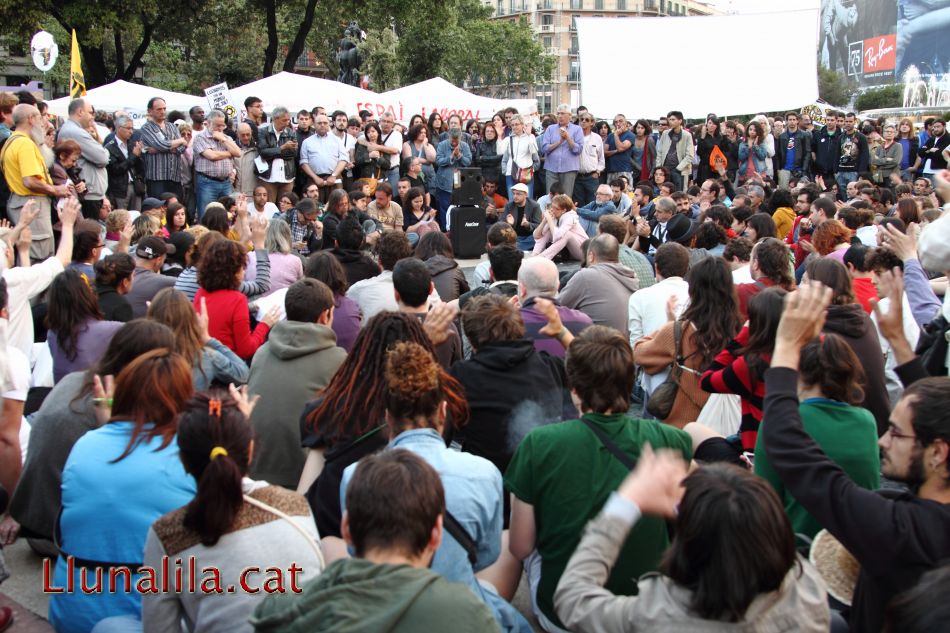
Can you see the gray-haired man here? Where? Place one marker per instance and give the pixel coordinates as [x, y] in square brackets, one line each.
[125, 168]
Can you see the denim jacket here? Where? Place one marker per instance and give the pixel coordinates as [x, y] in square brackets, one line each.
[473, 494]
[759, 156]
[446, 165]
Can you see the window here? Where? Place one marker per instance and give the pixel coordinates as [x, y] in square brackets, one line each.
[577, 4]
[662, 6]
[574, 21]
[598, 5]
[575, 73]
[547, 41]
[649, 4]
[573, 49]
[547, 20]
[621, 5]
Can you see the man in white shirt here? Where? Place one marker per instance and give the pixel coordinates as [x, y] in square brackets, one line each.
[323, 158]
[591, 163]
[260, 207]
[24, 283]
[391, 144]
[647, 308]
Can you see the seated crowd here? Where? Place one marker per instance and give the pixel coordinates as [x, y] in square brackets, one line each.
[280, 394]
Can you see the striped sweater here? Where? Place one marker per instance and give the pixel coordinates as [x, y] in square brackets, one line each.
[729, 373]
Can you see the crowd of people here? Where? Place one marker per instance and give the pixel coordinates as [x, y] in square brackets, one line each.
[244, 353]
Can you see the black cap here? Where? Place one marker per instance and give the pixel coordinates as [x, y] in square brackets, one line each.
[680, 229]
[152, 247]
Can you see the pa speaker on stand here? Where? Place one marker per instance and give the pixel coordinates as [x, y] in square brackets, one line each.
[467, 187]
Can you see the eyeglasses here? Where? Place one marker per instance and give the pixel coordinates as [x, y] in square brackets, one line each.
[897, 435]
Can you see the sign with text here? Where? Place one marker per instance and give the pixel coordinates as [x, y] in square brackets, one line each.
[219, 98]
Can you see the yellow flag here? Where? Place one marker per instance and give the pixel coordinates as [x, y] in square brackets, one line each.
[77, 82]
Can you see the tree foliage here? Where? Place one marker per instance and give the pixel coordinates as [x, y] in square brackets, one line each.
[187, 45]
[884, 97]
[835, 87]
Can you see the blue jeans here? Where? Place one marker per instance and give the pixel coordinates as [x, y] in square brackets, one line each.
[585, 187]
[413, 238]
[843, 178]
[393, 178]
[208, 190]
[510, 182]
[526, 243]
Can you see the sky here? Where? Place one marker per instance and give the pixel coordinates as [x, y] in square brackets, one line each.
[762, 6]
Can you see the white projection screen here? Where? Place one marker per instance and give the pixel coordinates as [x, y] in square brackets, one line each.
[729, 65]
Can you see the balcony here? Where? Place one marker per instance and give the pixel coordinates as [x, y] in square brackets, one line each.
[574, 77]
[547, 28]
[573, 51]
[552, 50]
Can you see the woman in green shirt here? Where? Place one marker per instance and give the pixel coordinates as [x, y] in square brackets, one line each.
[829, 388]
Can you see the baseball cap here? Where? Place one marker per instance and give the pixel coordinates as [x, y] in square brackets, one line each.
[151, 203]
[152, 247]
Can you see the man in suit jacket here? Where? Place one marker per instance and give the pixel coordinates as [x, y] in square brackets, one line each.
[125, 167]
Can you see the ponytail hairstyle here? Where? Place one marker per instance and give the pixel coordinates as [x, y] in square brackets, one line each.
[214, 438]
[829, 364]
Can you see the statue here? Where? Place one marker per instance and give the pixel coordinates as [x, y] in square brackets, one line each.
[349, 56]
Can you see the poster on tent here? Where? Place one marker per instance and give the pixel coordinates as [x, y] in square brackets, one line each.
[219, 98]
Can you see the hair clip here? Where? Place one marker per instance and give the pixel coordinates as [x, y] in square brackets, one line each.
[214, 407]
[217, 451]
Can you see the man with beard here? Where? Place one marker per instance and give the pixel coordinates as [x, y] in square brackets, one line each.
[28, 178]
[895, 537]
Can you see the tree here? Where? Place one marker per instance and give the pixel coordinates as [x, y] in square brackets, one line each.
[381, 59]
[505, 52]
[113, 35]
[834, 87]
[884, 97]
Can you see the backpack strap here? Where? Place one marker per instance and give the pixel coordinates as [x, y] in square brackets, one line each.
[460, 534]
[610, 445]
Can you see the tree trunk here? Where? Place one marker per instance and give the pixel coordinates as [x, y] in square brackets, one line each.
[119, 51]
[270, 53]
[128, 73]
[300, 40]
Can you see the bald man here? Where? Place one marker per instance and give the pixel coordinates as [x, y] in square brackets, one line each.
[539, 277]
[244, 164]
[28, 179]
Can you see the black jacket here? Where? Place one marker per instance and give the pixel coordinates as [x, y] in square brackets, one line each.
[502, 383]
[268, 144]
[936, 158]
[895, 540]
[827, 151]
[802, 150]
[114, 306]
[119, 169]
[356, 265]
[852, 323]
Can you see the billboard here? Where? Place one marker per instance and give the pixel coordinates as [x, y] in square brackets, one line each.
[875, 42]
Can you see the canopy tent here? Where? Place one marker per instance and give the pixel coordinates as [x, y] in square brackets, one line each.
[438, 95]
[301, 92]
[133, 98]
[703, 54]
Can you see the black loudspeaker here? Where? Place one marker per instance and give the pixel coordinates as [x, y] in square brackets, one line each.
[468, 187]
[468, 231]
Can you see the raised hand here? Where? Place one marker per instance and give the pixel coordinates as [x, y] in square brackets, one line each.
[438, 321]
[656, 484]
[244, 402]
[802, 319]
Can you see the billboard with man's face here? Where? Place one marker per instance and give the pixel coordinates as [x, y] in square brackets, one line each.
[875, 41]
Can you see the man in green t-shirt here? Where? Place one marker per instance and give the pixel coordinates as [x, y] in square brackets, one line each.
[561, 474]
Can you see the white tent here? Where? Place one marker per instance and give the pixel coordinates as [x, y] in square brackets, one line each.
[438, 95]
[133, 98]
[300, 92]
[703, 57]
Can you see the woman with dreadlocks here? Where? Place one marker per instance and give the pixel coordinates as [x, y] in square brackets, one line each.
[348, 420]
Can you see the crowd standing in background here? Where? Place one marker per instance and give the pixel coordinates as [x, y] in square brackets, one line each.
[700, 382]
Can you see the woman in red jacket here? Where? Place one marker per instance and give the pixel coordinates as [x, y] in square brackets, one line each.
[220, 272]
